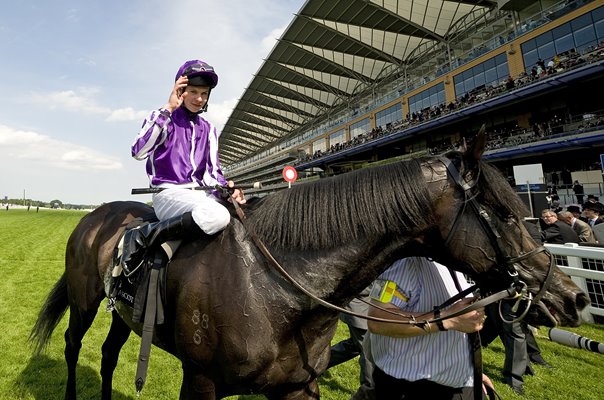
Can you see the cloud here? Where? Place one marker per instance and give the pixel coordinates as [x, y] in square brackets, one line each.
[219, 113]
[36, 148]
[127, 114]
[83, 101]
[269, 41]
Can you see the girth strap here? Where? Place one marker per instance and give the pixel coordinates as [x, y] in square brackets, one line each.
[149, 324]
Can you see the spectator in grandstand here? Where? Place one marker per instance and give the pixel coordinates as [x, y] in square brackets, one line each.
[581, 228]
[579, 193]
[352, 346]
[554, 231]
[412, 362]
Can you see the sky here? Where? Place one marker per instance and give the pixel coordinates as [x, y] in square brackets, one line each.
[77, 78]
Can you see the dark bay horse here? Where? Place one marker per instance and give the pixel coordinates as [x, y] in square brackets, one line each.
[240, 327]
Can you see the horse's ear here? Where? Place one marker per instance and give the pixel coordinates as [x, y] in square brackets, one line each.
[479, 143]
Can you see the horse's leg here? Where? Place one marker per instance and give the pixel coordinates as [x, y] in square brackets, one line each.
[117, 336]
[195, 385]
[79, 322]
[309, 392]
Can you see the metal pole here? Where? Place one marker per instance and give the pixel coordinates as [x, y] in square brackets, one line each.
[530, 200]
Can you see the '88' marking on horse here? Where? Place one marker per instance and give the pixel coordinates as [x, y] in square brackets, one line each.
[198, 318]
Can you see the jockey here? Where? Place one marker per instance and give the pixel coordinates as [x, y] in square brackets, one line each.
[181, 149]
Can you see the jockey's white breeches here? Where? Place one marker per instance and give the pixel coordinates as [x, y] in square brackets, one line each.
[210, 215]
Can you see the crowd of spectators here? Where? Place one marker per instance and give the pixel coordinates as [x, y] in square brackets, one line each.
[507, 136]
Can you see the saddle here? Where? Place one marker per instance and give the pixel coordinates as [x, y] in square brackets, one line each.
[130, 284]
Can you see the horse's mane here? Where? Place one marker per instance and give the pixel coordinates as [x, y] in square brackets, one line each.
[497, 193]
[333, 211]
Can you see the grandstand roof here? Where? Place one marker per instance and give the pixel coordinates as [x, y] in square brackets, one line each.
[332, 51]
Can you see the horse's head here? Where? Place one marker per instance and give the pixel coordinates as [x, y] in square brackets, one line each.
[485, 237]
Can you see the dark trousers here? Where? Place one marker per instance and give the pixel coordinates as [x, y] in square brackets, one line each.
[518, 341]
[390, 388]
[348, 349]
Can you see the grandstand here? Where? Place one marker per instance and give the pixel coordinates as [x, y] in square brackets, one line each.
[352, 83]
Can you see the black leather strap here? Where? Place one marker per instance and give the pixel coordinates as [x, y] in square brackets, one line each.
[149, 324]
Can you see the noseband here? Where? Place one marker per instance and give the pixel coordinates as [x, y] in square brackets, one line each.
[518, 289]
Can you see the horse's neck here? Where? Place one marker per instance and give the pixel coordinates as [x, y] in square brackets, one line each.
[341, 273]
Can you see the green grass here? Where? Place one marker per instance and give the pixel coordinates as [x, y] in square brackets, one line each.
[32, 247]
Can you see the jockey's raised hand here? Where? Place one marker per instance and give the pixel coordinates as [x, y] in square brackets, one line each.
[178, 94]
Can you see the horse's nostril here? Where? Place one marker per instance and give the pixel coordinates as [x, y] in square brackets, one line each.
[582, 300]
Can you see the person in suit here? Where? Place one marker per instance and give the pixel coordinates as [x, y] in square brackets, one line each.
[579, 193]
[520, 345]
[582, 229]
[352, 346]
[592, 211]
[554, 231]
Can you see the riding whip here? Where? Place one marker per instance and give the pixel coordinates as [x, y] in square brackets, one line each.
[149, 190]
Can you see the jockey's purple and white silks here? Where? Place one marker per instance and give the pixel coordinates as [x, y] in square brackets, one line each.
[181, 149]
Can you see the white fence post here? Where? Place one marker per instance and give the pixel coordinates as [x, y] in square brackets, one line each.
[576, 255]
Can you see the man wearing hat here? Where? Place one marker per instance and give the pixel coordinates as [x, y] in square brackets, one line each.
[575, 210]
[592, 211]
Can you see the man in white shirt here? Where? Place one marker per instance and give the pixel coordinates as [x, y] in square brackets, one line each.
[416, 363]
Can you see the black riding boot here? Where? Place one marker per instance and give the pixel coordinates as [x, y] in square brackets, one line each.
[138, 240]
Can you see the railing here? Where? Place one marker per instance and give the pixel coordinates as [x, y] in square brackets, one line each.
[585, 266]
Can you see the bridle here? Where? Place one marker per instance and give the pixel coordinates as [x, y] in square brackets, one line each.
[518, 289]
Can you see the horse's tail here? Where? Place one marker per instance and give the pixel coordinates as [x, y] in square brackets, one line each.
[50, 314]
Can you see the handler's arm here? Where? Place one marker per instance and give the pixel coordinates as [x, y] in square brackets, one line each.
[468, 322]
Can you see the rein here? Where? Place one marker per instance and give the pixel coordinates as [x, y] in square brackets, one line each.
[266, 252]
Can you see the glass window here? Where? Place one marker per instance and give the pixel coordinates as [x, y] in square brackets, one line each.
[393, 113]
[599, 29]
[585, 36]
[564, 43]
[502, 72]
[493, 70]
[580, 22]
[490, 75]
[544, 39]
[319, 145]
[459, 89]
[360, 128]
[338, 137]
[441, 97]
[528, 46]
[547, 51]
[479, 79]
[598, 14]
[561, 31]
[427, 98]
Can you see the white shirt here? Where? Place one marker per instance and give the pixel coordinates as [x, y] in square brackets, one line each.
[442, 357]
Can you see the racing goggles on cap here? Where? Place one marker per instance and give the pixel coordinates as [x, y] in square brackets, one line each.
[197, 68]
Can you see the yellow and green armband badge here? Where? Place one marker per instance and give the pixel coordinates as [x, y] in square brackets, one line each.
[384, 290]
